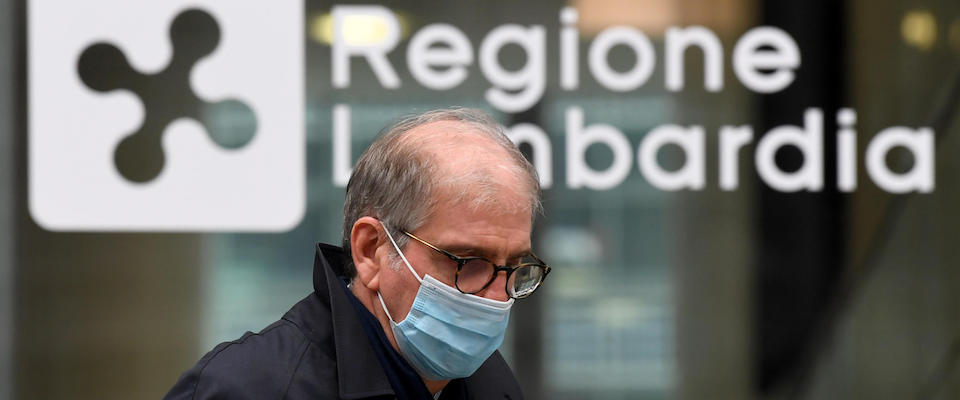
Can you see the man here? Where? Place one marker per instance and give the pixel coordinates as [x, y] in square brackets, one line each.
[436, 247]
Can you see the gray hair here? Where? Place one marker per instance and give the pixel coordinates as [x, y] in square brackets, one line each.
[397, 181]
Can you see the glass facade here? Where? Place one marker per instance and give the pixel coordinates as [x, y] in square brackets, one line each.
[708, 291]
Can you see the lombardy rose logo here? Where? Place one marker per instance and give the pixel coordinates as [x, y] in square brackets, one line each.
[166, 115]
[764, 60]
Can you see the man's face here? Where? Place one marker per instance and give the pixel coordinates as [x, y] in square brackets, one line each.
[499, 236]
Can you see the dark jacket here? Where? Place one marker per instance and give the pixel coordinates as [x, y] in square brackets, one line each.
[318, 350]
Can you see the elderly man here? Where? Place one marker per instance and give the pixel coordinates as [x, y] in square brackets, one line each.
[436, 247]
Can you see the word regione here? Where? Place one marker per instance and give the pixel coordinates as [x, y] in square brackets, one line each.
[764, 60]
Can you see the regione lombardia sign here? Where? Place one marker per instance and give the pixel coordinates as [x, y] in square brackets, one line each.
[189, 116]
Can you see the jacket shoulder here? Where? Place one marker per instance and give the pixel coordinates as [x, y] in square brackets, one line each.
[494, 380]
[256, 366]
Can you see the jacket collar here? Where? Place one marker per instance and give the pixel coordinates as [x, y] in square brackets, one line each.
[353, 351]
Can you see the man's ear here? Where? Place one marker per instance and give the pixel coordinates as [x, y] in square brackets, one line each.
[365, 240]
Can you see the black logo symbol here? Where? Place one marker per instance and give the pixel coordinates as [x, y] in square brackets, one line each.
[167, 96]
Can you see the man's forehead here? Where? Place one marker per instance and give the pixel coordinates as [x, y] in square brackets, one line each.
[492, 204]
[467, 229]
[474, 183]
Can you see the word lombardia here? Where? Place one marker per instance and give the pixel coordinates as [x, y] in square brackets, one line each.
[764, 60]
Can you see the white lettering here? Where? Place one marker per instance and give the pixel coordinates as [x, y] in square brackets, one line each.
[569, 49]
[691, 175]
[542, 150]
[423, 58]
[612, 79]
[530, 80]
[363, 19]
[677, 41]
[579, 138]
[732, 138]
[809, 140]
[748, 59]
[342, 165]
[846, 150]
[919, 142]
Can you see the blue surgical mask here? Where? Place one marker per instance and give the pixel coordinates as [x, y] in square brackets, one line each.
[448, 334]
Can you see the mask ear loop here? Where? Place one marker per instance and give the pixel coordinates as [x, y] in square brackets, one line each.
[407, 263]
[384, 305]
[403, 257]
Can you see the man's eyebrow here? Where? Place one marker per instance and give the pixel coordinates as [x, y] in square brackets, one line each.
[473, 251]
[462, 250]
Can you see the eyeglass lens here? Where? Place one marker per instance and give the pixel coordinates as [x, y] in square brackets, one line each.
[476, 273]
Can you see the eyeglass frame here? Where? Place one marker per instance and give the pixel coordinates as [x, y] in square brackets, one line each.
[496, 268]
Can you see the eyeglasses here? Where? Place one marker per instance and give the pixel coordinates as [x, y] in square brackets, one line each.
[476, 273]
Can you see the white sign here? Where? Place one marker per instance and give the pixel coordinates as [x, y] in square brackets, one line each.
[79, 127]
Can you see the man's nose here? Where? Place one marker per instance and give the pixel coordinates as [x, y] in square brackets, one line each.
[497, 289]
